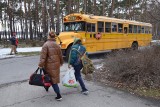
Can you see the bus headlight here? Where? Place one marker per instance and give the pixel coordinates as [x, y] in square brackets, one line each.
[63, 45]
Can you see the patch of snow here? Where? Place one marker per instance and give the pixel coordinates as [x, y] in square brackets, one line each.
[4, 52]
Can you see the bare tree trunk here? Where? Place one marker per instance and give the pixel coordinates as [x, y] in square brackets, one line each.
[30, 20]
[68, 7]
[129, 9]
[26, 18]
[77, 10]
[57, 23]
[21, 16]
[112, 8]
[85, 6]
[52, 14]
[44, 27]
[104, 1]
[9, 12]
[36, 21]
[95, 7]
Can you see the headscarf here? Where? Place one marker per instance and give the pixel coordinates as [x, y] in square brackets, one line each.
[76, 40]
[51, 36]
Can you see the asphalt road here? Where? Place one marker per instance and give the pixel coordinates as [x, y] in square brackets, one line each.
[20, 68]
[20, 94]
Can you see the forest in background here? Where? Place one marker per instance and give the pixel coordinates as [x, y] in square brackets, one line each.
[32, 19]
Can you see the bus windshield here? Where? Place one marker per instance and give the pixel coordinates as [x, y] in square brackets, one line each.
[74, 26]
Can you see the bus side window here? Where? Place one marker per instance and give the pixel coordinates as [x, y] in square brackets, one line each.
[100, 27]
[142, 29]
[93, 27]
[88, 27]
[130, 28]
[108, 27]
[139, 29]
[135, 29]
[146, 29]
[114, 27]
[120, 28]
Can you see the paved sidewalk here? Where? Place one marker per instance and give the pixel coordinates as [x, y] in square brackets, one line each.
[25, 95]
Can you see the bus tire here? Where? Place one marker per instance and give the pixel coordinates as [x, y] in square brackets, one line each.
[134, 46]
[67, 53]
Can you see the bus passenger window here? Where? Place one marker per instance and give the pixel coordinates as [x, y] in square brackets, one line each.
[130, 28]
[120, 28]
[88, 27]
[114, 27]
[100, 26]
[146, 30]
[108, 27]
[142, 29]
[93, 27]
[135, 29]
[139, 29]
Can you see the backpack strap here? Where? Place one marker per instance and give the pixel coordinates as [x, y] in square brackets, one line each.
[81, 54]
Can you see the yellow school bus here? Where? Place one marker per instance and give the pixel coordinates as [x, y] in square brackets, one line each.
[100, 33]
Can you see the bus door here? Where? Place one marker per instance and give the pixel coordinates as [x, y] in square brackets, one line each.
[90, 37]
[99, 36]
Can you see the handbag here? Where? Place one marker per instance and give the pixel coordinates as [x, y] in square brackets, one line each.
[39, 79]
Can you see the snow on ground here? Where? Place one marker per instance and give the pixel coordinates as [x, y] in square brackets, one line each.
[4, 52]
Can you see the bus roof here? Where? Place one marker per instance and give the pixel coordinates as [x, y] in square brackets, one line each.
[92, 18]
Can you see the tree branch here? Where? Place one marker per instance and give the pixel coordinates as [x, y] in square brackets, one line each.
[154, 17]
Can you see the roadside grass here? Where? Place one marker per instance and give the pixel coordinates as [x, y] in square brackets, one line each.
[134, 71]
[154, 93]
[29, 53]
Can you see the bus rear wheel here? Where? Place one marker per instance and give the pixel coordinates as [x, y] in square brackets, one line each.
[134, 46]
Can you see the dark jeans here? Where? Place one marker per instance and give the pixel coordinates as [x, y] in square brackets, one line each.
[77, 73]
[56, 88]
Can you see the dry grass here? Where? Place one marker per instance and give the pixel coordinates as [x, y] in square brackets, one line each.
[132, 69]
[23, 43]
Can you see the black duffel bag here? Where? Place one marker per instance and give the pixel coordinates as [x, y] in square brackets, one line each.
[38, 79]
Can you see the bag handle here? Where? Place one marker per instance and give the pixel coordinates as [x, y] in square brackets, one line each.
[44, 71]
[38, 70]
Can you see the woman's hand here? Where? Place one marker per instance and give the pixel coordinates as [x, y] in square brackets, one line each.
[40, 67]
[69, 66]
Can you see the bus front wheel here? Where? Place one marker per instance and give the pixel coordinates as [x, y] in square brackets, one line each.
[67, 53]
